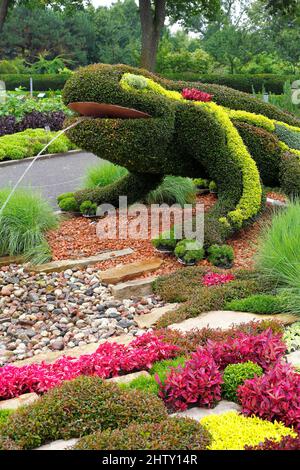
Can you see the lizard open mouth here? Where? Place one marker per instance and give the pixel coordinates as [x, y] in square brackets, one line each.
[103, 110]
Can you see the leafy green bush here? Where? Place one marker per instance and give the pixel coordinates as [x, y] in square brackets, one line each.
[201, 183]
[288, 136]
[165, 241]
[80, 407]
[41, 82]
[260, 303]
[103, 175]
[221, 255]
[88, 208]
[189, 251]
[235, 375]
[173, 190]
[279, 256]
[171, 434]
[4, 414]
[30, 142]
[291, 337]
[24, 222]
[289, 175]
[68, 204]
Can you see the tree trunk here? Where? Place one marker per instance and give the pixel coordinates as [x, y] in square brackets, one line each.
[152, 22]
[4, 4]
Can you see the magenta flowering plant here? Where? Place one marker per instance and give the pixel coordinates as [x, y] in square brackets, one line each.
[273, 396]
[193, 94]
[110, 360]
[266, 349]
[215, 279]
[198, 383]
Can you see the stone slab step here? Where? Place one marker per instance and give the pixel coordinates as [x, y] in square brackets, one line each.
[125, 379]
[225, 319]
[139, 288]
[150, 319]
[15, 403]
[59, 445]
[127, 272]
[198, 413]
[7, 260]
[63, 265]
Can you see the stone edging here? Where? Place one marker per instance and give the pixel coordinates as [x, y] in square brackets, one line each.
[46, 156]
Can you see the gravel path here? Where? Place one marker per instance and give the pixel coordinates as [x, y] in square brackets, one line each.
[51, 176]
[51, 312]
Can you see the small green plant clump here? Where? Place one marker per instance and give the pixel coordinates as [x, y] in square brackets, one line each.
[166, 241]
[260, 303]
[221, 256]
[88, 208]
[189, 251]
[235, 375]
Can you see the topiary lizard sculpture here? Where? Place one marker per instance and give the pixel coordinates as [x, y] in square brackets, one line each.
[150, 126]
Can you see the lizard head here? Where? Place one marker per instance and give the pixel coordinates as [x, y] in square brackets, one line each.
[130, 118]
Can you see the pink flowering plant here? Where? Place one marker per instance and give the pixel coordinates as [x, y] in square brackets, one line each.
[110, 360]
[273, 396]
[193, 94]
[198, 383]
[216, 279]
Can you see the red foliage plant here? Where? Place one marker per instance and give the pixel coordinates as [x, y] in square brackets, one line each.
[265, 349]
[193, 94]
[273, 396]
[110, 359]
[197, 383]
[286, 443]
[215, 279]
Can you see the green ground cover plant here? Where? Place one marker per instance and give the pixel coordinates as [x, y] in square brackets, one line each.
[260, 303]
[235, 375]
[77, 408]
[171, 434]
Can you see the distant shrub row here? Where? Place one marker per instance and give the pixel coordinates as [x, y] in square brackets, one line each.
[271, 83]
[40, 82]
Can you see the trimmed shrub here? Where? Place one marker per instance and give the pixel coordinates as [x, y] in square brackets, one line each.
[235, 375]
[197, 383]
[286, 443]
[42, 82]
[78, 408]
[88, 208]
[265, 349]
[274, 396]
[172, 434]
[231, 431]
[69, 204]
[261, 303]
[189, 251]
[165, 241]
[265, 149]
[24, 222]
[290, 175]
[221, 256]
[288, 136]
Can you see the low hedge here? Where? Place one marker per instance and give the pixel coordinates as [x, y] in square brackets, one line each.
[40, 82]
[242, 82]
[77, 408]
[172, 434]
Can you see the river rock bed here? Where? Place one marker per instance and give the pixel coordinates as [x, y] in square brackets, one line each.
[52, 312]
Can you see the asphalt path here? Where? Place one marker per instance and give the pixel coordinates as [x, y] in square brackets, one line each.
[51, 176]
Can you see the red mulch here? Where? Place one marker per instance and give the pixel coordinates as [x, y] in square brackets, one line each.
[76, 238]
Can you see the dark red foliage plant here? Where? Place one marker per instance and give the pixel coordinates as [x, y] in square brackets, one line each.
[265, 349]
[286, 443]
[198, 383]
[273, 396]
[193, 94]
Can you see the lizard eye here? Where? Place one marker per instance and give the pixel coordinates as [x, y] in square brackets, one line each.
[137, 82]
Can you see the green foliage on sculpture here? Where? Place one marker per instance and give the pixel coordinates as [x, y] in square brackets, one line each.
[180, 137]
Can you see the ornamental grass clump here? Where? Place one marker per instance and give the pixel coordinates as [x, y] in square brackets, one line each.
[80, 407]
[232, 431]
[197, 383]
[24, 222]
[171, 434]
[235, 375]
[273, 396]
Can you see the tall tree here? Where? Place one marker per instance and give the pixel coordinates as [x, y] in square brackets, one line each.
[153, 14]
[6, 5]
